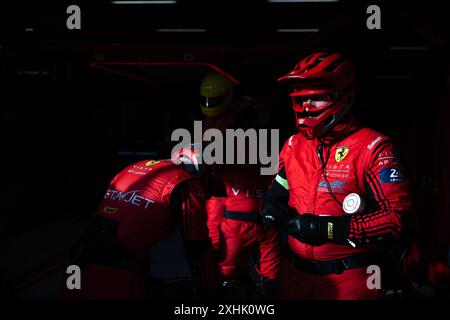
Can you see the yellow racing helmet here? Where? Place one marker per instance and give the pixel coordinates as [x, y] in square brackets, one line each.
[216, 94]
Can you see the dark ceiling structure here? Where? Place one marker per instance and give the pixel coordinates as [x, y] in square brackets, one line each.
[238, 36]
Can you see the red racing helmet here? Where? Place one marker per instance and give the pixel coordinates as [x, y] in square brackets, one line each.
[323, 89]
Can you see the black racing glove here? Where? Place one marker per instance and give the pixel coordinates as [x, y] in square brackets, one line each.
[275, 210]
[274, 214]
[317, 230]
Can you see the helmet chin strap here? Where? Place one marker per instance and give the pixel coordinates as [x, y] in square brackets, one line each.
[328, 124]
[329, 136]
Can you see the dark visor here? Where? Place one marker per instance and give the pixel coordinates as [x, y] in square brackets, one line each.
[211, 102]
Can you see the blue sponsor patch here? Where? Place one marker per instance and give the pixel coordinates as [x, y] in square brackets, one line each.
[389, 175]
[334, 184]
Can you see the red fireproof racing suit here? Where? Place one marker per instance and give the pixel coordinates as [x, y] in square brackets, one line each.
[142, 206]
[234, 227]
[361, 161]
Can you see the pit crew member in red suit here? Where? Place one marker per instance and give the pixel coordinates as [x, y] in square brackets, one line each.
[331, 157]
[236, 229]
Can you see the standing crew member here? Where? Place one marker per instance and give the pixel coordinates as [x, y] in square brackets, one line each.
[236, 230]
[233, 209]
[331, 157]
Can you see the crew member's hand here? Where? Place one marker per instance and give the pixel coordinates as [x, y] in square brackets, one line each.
[317, 230]
[274, 214]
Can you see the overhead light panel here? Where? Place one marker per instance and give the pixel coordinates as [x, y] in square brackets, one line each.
[300, 1]
[181, 30]
[298, 30]
[145, 2]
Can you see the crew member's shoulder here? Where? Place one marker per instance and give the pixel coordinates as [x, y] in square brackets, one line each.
[371, 138]
[293, 141]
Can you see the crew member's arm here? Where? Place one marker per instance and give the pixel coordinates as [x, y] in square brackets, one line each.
[388, 200]
[215, 209]
[275, 210]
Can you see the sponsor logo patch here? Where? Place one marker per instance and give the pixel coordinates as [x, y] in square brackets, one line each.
[341, 153]
[373, 143]
[390, 175]
[131, 197]
[151, 163]
[110, 210]
[336, 186]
